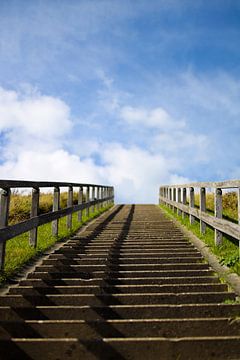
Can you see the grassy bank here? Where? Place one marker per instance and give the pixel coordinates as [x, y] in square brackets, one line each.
[227, 253]
[18, 250]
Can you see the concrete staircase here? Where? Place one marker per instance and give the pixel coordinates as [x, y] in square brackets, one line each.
[131, 286]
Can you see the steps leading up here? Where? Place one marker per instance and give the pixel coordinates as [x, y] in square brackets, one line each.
[131, 286]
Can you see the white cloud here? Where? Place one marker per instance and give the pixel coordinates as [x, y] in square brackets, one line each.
[34, 114]
[156, 118]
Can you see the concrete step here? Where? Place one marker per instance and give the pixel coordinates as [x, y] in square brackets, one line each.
[120, 281]
[149, 256]
[116, 274]
[94, 289]
[125, 261]
[222, 348]
[115, 298]
[149, 311]
[122, 267]
[167, 328]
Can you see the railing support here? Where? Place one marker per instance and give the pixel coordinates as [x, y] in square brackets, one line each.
[34, 212]
[4, 214]
[202, 208]
[184, 200]
[56, 206]
[69, 204]
[87, 200]
[179, 212]
[191, 204]
[218, 214]
[80, 201]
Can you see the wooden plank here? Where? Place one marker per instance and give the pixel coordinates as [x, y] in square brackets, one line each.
[34, 212]
[203, 209]
[179, 212]
[56, 206]
[80, 201]
[184, 200]
[228, 184]
[218, 214]
[69, 204]
[191, 204]
[6, 184]
[4, 213]
[227, 227]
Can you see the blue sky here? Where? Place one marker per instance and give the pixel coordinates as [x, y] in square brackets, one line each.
[131, 93]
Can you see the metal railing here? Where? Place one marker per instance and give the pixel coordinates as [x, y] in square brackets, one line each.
[100, 196]
[175, 196]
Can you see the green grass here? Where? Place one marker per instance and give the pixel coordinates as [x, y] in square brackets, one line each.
[19, 252]
[227, 253]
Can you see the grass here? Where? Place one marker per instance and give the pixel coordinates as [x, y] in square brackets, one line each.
[229, 202]
[18, 250]
[227, 253]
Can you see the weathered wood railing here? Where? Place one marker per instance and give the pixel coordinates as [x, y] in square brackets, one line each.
[100, 196]
[175, 196]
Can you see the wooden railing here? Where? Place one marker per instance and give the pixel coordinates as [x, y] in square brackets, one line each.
[100, 196]
[175, 196]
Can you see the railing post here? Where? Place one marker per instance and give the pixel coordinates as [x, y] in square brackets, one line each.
[238, 195]
[174, 199]
[184, 200]
[80, 201]
[56, 206]
[191, 204]
[34, 212]
[218, 214]
[4, 214]
[202, 208]
[168, 196]
[179, 212]
[159, 200]
[87, 200]
[104, 195]
[170, 193]
[98, 197]
[93, 197]
[113, 195]
[69, 204]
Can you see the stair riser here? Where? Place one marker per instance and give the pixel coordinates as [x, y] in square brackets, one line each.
[121, 299]
[96, 330]
[120, 281]
[119, 312]
[141, 267]
[116, 274]
[87, 289]
[192, 349]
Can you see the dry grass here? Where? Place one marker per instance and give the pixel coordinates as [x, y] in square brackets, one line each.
[230, 204]
[20, 205]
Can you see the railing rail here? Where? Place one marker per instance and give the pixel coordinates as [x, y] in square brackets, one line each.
[101, 195]
[175, 196]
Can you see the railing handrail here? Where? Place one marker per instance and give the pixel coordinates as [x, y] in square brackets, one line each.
[175, 196]
[100, 195]
[6, 184]
[227, 184]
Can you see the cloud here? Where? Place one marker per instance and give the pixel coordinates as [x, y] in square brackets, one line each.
[156, 118]
[35, 114]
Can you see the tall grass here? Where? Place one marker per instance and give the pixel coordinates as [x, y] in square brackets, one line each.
[228, 252]
[18, 250]
[229, 201]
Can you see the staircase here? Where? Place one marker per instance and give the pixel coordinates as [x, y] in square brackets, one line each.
[130, 286]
